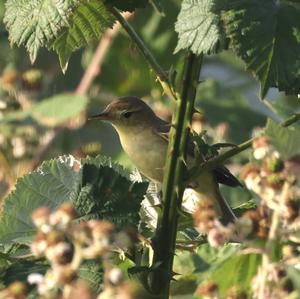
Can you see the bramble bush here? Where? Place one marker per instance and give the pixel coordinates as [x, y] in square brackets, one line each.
[80, 225]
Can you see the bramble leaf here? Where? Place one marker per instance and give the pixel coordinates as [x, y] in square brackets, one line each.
[198, 26]
[97, 188]
[35, 23]
[107, 193]
[52, 184]
[88, 23]
[285, 140]
[266, 35]
[236, 271]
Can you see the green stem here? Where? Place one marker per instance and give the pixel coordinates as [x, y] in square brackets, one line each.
[161, 74]
[165, 240]
[212, 163]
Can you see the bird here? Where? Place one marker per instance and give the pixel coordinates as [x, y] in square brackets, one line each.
[144, 138]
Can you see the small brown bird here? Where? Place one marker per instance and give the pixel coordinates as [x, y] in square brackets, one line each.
[144, 137]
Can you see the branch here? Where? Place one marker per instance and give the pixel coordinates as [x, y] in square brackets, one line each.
[212, 163]
[94, 68]
[165, 239]
[161, 74]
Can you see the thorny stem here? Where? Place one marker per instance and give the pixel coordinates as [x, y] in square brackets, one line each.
[165, 240]
[161, 74]
[212, 163]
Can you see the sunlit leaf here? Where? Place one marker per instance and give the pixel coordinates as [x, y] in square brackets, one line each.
[238, 271]
[88, 23]
[34, 23]
[56, 110]
[198, 27]
[53, 183]
[51, 112]
[285, 140]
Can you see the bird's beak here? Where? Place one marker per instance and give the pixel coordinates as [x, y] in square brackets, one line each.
[101, 116]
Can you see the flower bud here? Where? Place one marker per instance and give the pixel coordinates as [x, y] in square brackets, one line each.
[82, 232]
[207, 290]
[64, 275]
[261, 147]
[39, 244]
[40, 216]
[216, 237]
[115, 276]
[16, 290]
[101, 228]
[81, 290]
[236, 293]
[64, 215]
[60, 253]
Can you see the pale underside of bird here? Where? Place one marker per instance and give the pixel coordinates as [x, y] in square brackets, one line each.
[144, 137]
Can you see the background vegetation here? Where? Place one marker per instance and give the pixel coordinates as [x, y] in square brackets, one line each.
[43, 115]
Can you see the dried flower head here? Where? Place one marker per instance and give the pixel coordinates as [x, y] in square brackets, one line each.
[60, 253]
[114, 276]
[205, 216]
[40, 218]
[208, 290]
[236, 293]
[80, 290]
[16, 290]
[259, 223]
[261, 147]
[64, 215]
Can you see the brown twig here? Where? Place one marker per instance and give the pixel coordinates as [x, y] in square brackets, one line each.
[94, 68]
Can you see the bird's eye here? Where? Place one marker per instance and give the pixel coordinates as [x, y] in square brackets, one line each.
[127, 114]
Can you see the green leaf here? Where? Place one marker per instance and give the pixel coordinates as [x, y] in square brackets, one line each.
[107, 194]
[88, 23]
[127, 5]
[20, 270]
[236, 271]
[203, 261]
[266, 35]
[52, 112]
[56, 110]
[198, 27]
[36, 22]
[96, 187]
[92, 272]
[53, 183]
[285, 140]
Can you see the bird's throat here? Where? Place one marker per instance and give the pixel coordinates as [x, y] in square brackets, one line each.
[146, 149]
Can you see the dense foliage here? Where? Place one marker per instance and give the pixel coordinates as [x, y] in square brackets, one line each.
[76, 224]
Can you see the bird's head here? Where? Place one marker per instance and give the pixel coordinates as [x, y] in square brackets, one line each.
[127, 112]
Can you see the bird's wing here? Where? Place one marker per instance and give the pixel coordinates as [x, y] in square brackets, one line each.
[221, 173]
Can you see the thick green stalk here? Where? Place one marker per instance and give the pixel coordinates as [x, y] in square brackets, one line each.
[161, 74]
[165, 239]
[212, 163]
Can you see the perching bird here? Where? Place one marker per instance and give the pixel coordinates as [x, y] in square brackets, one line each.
[144, 137]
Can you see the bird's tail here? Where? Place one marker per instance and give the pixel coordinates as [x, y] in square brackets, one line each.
[227, 215]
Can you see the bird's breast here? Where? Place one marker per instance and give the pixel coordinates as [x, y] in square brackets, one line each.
[146, 150]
